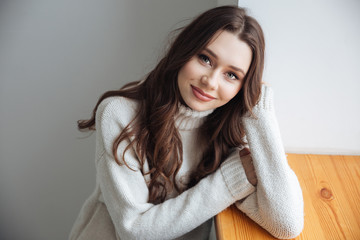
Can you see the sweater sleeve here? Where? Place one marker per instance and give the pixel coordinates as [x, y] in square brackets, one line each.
[125, 192]
[277, 204]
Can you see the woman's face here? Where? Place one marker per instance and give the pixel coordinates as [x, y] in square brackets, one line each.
[213, 77]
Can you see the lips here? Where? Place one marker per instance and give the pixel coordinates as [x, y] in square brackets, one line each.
[201, 95]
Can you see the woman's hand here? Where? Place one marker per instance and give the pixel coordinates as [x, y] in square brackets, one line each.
[248, 165]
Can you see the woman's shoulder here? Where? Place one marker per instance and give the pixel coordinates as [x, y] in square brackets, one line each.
[118, 109]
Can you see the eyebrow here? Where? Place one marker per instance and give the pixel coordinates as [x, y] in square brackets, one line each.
[231, 66]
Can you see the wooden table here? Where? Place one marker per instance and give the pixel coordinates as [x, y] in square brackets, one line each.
[331, 190]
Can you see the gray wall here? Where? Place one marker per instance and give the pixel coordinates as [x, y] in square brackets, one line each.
[313, 65]
[56, 59]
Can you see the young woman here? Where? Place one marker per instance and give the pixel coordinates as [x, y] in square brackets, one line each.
[173, 150]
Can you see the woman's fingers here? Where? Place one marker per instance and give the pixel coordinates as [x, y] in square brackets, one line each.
[244, 152]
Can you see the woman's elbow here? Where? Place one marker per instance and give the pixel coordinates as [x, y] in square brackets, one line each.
[289, 229]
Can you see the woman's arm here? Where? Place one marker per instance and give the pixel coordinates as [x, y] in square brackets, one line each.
[248, 165]
[125, 192]
[277, 204]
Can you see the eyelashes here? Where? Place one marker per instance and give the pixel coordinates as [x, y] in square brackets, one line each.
[232, 75]
[206, 60]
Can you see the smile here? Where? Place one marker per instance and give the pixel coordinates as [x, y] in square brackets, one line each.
[201, 95]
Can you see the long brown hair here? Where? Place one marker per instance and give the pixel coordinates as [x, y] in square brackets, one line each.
[153, 129]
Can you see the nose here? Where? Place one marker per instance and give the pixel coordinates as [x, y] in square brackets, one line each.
[210, 81]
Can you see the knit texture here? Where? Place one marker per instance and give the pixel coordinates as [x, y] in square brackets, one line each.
[277, 205]
[119, 209]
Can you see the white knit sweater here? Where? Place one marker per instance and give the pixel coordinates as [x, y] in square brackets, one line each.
[119, 209]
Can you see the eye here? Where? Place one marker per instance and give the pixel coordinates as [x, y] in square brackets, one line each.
[205, 59]
[232, 76]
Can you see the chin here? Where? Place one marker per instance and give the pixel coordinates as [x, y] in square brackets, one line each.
[198, 108]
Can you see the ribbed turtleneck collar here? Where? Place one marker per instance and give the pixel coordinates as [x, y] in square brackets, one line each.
[188, 119]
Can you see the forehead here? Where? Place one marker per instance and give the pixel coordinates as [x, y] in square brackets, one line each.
[230, 49]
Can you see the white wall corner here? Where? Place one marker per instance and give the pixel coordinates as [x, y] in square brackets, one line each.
[227, 2]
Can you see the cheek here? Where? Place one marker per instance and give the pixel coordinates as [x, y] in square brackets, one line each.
[185, 75]
[230, 91]
[190, 71]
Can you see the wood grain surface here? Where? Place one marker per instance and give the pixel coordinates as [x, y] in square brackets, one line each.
[331, 190]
